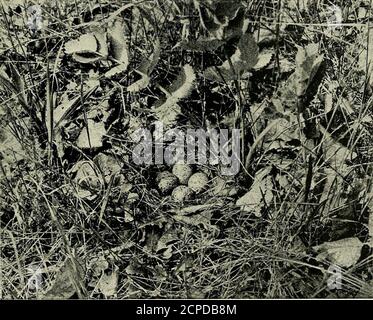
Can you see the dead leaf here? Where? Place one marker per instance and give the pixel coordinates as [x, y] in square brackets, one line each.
[344, 252]
[108, 283]
[11, 150]
[335, 153]
[65, 284]
[88, 181]
[203, 219]
[223, 188]
[98, 265]
[296, 90]
[165, 243]
[67, 107]
[108, 165]
[91, 136]
[260, 193]
[86, 43]
[308, 61]
[200, 207]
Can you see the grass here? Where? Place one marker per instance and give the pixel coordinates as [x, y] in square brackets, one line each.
[318, 192]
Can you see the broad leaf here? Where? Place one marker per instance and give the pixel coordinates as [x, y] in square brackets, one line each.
[264, 58]
[145, 69]
[244, 58]
[168, 110]
[88, 48]
[222, 19]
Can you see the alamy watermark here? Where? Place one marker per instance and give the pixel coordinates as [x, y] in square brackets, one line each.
[34, 18]
[334, 282]
[35, 281]
[195, 146]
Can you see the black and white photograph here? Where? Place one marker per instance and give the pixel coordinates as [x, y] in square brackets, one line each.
[186, 150]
